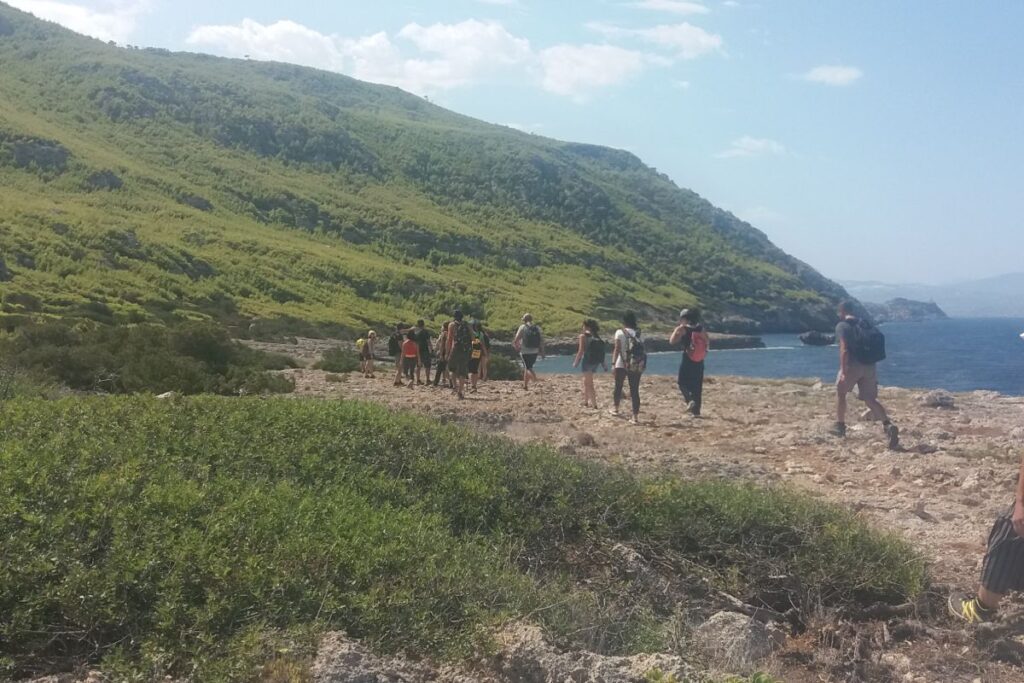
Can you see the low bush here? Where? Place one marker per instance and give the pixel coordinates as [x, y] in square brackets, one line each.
[338, 359]
[189, 358]
[196, 537]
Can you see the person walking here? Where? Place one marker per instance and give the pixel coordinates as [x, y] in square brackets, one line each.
[395, 351]
[529, 344]
[441, 349]
[423, 339]
[591, 353]
[485, 362]
[861, 347]
[366, 352]
[411, 360]
[460, 347]
[690, 334]
[477, 356]
[1002, 570]
[629, 360]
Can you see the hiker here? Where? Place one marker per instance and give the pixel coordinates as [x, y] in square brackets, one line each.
[629, 360]
[690, 334]
[861, 347]
[441, 350]
[485, 362]
[460, 347]
[411, 360]
[529, 343]
[395, 351]
[423, 339]
[477, 356]
[366, 351]
[1003, 568]
[591, 353]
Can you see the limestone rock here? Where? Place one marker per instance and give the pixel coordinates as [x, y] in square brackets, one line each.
[736, 642]
[938, 399]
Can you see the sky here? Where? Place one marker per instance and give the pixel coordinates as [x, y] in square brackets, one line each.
[874, 140]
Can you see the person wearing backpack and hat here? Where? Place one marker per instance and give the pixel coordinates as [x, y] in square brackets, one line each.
[529, 343]
[690, 334]
[366, 351]
[861, 347]
[591, 352]
[629, 360]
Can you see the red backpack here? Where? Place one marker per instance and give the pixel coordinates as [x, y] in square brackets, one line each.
[699, 343]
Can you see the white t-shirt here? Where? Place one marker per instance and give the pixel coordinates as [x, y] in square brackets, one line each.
[620, 339]
[521, 336]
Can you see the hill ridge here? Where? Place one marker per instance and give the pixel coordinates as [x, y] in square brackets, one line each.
[149, 184]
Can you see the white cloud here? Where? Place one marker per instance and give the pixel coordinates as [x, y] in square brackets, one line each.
[685, 40]
[833, 75]
[447, 55]
[107, 20]
[575, 70]
[283, 41]
[671, 6]
[747, 146]
[731, 3]
[681, 85]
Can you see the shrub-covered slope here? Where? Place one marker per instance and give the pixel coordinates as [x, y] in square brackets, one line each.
[153, 184]
[199, 536]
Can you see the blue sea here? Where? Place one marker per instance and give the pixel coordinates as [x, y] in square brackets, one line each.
[961, 354]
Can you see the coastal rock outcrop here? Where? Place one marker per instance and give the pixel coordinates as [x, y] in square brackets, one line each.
[900, 310]
[815, 338]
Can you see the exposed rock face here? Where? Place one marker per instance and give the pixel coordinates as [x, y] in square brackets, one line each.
[901, 310]
[735, 642]
[524, 657]
[938, 399]
[815, 338]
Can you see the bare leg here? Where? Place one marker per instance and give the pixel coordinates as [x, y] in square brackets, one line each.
[988, 599]
[841, 406]
[877, 411]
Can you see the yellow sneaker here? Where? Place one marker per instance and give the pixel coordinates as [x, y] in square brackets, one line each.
[968, 609]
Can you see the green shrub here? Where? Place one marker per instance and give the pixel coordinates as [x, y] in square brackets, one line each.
[193, 536]
[190, 358]
[338, 359]
[503, 368]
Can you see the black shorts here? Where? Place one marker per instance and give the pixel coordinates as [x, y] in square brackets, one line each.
[1003, 570]
[409, 364]
[528, 360]
[474, 366]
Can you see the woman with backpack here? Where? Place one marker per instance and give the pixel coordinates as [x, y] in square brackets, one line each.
[591, 352]
[441, 352]
[629, 360]
[690, 334]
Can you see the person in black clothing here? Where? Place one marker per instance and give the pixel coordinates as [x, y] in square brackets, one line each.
[395, 351]
[423, 339]
[691, 335]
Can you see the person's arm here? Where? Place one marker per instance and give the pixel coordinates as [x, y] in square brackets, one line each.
[542, 346]
[677, 335]
[517, 341]
[579, 351]
[1018, 506]
[844, 358]
[616, 351]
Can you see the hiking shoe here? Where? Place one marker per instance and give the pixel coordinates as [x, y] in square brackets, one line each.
[968, 609]
[893, 432]
[838, 430]
[691, 406]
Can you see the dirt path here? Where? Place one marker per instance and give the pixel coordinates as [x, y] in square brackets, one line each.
[956, 473]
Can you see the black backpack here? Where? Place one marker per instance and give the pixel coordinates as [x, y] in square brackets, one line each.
[866, 342]
[595, 350]
[463, 338]
[531, 337]
[395, 344]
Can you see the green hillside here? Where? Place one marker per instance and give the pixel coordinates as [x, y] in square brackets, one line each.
[142, 184]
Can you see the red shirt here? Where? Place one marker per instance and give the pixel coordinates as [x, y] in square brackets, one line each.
[410, 349]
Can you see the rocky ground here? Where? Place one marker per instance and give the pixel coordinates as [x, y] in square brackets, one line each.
[955, 472]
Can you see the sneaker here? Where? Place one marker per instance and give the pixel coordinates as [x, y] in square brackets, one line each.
[838, 430]
[893, 432]
[968, 609]
[691, 406]
[635, 420]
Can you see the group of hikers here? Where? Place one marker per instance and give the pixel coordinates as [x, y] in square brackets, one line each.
[461, 352]
[460, 356]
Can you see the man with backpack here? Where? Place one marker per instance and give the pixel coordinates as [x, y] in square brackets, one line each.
[690, 334]
[529, 343]
[460, 350]
[629, 360]
[861, 347]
